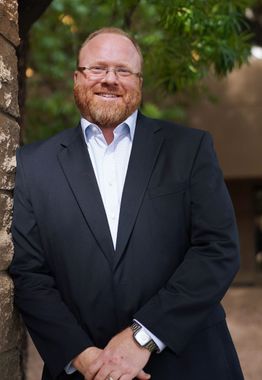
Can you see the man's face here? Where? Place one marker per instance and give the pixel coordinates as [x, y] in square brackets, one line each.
[108, 100]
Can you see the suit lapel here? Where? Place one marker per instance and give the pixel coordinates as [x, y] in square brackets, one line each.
[77, 167]
[146, 145]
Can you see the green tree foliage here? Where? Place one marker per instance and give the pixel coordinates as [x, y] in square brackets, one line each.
[181, 41]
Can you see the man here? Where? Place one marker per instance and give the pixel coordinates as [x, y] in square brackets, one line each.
[125, 237]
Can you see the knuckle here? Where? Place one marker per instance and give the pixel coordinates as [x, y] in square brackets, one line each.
[128, 371]
[112, 358]
[115, 360]
[91, 369]
[107, 354]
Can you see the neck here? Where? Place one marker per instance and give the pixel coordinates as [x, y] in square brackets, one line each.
[108, 133]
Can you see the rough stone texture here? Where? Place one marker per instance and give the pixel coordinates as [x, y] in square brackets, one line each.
[11, 331]
[8, 20]
[6, 205]
[6, 249]
[10, 365]
[8, 79]
[10, 322]
[9, 139]
[6, 246]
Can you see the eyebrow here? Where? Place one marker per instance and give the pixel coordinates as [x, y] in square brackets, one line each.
[104, 63]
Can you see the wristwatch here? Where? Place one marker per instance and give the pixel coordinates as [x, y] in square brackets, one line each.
[142, 338]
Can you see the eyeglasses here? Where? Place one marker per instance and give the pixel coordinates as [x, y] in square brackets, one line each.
[101, 71]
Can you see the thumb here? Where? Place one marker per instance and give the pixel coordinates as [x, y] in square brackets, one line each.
[142, 375]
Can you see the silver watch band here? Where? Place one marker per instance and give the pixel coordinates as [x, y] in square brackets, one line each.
[150, 346]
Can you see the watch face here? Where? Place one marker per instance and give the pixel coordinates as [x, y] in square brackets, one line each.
[142, 337]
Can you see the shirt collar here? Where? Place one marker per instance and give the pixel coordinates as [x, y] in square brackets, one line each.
[130, 122]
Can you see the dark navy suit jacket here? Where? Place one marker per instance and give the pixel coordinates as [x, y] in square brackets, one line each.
[177, 252]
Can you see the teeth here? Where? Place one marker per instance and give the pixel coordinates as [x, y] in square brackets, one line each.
[108, 95]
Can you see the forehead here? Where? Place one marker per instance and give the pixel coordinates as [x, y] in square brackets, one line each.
[110, 48]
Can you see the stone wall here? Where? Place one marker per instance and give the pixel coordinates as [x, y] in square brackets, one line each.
[10, 325]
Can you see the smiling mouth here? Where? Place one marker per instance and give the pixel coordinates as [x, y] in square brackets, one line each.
[107, 95]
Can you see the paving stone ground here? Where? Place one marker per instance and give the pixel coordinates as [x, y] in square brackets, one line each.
[244, 316]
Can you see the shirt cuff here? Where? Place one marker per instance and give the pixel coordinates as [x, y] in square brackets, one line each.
[69, 368]
[157, 341]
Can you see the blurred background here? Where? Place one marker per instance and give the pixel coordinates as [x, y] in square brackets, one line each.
[203, 68]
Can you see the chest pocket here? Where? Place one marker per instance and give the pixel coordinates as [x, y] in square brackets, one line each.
[167, 189]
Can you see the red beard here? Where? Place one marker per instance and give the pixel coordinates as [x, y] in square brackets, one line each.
[106, 113]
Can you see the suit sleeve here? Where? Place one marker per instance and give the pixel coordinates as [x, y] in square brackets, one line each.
[181, 308]
[54, 329]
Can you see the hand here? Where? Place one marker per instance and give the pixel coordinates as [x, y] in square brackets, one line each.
[83, 361]
[121, 359]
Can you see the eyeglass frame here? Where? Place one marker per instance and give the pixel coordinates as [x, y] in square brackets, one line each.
[107, 70]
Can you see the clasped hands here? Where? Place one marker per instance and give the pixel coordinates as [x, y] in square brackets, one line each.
[121, 359]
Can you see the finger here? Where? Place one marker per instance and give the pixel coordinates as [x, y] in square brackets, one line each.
[115, 375]
[142, 375]
[129, 376]
[93, 369]
[126, 377]
[103, 373]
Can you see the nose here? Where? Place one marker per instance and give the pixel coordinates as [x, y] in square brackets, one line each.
[110, 77]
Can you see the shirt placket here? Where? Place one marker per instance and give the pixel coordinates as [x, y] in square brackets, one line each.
[110, 190]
